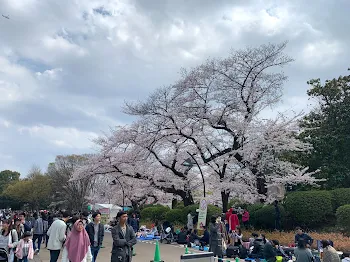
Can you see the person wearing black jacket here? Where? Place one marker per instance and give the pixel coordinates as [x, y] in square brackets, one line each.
[96, 234]
[134, 222]
[258, 248]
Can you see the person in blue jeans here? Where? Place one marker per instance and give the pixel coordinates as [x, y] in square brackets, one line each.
[96, 234]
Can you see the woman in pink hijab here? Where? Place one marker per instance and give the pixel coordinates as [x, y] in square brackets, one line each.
[77, 246]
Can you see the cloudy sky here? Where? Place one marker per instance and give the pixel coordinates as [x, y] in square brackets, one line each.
[66, 67]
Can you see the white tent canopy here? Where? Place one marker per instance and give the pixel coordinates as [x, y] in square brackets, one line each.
[110, 209]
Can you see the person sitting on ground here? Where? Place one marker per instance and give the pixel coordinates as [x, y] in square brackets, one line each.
[252, 239]
[265, 240]
[329, 253]
[153, 230]
[346, 257]
[204, 240]
[236, 237]
[301, 235]
[194, 237]
[269, 252]
[182, 237]
[279, 250]
[258, 248]
[302, 253]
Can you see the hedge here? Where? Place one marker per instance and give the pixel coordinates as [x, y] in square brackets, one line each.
[341, 197]
[309, 208]
[179, 215]
[343, 217]
[264, 217]
[254, 207]
[154, 213]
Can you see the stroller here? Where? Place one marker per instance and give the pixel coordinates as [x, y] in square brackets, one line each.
[4, 256]
[167, 236]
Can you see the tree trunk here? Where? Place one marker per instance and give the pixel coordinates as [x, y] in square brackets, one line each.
[224, 199]
[261, 184]
[174, 203]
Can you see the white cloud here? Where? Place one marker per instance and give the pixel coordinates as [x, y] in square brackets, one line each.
[62, 137]
[322, 53]
[66, 67]
[6, 124]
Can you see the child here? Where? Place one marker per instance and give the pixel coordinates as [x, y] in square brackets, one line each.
[24, 250]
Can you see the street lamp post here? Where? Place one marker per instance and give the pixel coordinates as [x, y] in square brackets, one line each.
[189, 162]
[114, 182]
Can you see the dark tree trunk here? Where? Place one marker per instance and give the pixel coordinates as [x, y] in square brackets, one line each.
[261, 184]
[224, 199]
[174, 203]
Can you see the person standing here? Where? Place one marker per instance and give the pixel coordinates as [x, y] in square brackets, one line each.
[96, 234]
[216, 236]
[134, 222]
[245, 218]
[277, 216]
[38, 232]
[25, 250]
[57, 235]
[233, 221]
[77, 245]
[190, 222]
[301, 235]
[12, 240]
[24, 222]
[85, 218]
[124, 239]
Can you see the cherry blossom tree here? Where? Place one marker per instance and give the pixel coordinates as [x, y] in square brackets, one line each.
[214, 114]
[136, 193]
[143, 152]
[217, 109]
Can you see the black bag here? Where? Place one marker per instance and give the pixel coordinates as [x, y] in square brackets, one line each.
[243, 252]
[232, 251]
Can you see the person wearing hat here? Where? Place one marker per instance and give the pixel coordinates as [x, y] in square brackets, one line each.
[124, 239]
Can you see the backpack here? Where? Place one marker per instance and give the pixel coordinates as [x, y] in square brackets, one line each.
[232, 251]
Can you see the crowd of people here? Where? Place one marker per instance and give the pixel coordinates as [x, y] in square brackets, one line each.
[79, 237]
[225, 238]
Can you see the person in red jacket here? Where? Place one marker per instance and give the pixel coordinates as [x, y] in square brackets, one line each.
[228, 214]
[245, 218]
[233, 221]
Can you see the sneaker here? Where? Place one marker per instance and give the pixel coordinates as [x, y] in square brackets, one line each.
[36, 251]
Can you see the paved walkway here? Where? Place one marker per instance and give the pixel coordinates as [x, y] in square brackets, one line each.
[144, 252]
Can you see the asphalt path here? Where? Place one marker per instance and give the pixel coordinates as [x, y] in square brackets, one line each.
[144, 252]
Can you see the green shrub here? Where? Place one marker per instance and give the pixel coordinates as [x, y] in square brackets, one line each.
[176, 216]
[154, 213]
[343, 217]
[179, 215]
[309, 208]
[213, 211]
[341, 197]
[254, 207]
[264, 218]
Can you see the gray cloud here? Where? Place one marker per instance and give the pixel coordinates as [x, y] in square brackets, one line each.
[66, 67]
